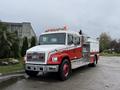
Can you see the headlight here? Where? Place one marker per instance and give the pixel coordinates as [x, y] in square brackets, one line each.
[54, 59]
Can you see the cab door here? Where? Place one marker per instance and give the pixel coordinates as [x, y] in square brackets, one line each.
[71, 51]
[78, 48]
[75, 51]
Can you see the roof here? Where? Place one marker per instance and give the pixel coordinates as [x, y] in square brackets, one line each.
[16, 23]
[62, 31]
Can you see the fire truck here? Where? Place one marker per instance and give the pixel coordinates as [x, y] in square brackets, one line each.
[61, 50]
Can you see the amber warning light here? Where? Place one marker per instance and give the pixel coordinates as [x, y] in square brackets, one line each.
[56, 29]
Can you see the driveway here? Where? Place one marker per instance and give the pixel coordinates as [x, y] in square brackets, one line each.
[105, 76]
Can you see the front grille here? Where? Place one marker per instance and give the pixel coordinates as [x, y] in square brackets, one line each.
[39, 57]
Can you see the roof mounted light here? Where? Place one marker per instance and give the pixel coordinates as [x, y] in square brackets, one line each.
[57, 29]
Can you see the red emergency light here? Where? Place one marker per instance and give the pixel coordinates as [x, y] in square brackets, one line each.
[56, 29]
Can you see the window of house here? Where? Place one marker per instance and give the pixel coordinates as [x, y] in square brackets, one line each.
[20, 31]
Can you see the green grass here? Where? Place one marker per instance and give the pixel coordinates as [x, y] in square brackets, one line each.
[110, 54]
[12, 68]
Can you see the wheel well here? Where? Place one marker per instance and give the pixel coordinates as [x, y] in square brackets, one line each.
[66, 57]
[96, 57]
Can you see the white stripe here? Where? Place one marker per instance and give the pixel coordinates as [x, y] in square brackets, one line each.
[92, 55]
[78, 63]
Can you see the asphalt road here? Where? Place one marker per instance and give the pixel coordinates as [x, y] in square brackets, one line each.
[105, 76]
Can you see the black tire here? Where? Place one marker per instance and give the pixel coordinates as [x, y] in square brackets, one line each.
[65, 70]
[94, 63]
[32, 73]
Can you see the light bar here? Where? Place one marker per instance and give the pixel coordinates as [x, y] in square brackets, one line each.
[56, 29]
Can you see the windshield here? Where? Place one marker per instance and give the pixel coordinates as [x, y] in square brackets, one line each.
[54, 38]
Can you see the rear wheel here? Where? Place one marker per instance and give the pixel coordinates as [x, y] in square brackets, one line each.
[94, 63]
[31, 73]
[65, 70]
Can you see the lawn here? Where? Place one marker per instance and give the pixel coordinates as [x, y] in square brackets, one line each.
[12, 68]
[110, 54]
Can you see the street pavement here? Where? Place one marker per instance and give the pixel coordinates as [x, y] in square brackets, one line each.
[4, 78]
[105, 76]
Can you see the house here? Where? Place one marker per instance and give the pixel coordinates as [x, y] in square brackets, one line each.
[22, 30]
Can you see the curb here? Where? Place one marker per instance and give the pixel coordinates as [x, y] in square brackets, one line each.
[9, 76]
[11, 73]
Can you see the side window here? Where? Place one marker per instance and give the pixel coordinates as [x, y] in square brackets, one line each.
[76, 40]
[70, 39]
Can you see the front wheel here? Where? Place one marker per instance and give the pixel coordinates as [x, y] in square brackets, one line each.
[65, 70]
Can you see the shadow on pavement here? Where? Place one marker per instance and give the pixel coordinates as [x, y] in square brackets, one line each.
[48, 77]
[10, 81]
[52, 77]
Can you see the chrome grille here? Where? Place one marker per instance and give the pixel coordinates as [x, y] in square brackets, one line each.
[40, 57]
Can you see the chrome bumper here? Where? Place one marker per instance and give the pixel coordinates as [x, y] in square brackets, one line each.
[42, 68]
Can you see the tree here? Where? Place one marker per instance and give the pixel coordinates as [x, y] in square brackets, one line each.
[33, 41]
[16, 49]
[113, 44]
[105, 40]
[117, 47]
[7, 40]
[24, 46]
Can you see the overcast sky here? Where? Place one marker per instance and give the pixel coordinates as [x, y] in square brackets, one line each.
[92, 16]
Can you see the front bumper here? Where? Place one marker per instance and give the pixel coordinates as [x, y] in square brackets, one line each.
[42, 68]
